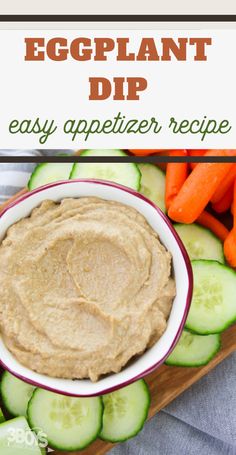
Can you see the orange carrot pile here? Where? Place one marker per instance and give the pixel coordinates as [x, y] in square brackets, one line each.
[198, 189]
[230, 241]
[190, 188]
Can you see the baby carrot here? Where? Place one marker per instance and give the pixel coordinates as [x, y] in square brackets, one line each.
[209, 221]
[201, 152]
[176, 174]
[230, 241]
[225, 202]
[162, 152]
[225, 185]
[196, 152]
[145, 152]
[231, 152]
[198, 189]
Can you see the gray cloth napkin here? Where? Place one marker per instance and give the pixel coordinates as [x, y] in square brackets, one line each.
[200, 421]
[15, 176]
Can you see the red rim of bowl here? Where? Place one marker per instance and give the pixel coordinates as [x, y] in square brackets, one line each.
[189, 285]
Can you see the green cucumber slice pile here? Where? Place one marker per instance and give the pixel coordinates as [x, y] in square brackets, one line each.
[125, 412]
[194, 350]
[49, 172]
[200, 242]
[127, 174]
[146, 178]
[213, 307]
[153, 184]
[69, 423]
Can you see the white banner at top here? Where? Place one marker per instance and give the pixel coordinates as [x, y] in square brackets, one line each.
[117, 89]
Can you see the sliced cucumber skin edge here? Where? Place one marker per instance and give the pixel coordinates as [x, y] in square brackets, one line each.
[4, 405]
[157, 171]
[138, 180]
[121, 153]
[179, 225]
[222, 329]
[228, 323]
[2, 416]
[198, 364]
[5, 401]
[19, 423]
[56, 447]
[29, 184]
[142, 424]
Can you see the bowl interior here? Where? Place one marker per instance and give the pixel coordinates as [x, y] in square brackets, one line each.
[182, 272]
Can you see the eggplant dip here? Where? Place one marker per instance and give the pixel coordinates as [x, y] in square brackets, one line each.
[85, 286]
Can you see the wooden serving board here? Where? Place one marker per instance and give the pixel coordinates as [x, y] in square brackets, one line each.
[166, 383]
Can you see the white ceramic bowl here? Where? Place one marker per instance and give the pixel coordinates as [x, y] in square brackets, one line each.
[153, 357]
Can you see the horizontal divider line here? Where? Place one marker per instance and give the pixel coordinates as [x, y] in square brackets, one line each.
[118, 18]
[118, 159]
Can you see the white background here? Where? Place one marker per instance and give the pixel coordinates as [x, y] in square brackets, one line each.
[120, 7]
[60, 90]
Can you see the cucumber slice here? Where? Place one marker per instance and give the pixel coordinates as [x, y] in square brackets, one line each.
[194, 350]
[2, 418]
[15, 394]
[200, 242]
[49, 172]
[213, 307]
[69, 423]
[153, 184]
[127, 174]
[125, 412]
[16, 438]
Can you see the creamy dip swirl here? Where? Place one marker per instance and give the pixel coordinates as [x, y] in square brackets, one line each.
[85, 286]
